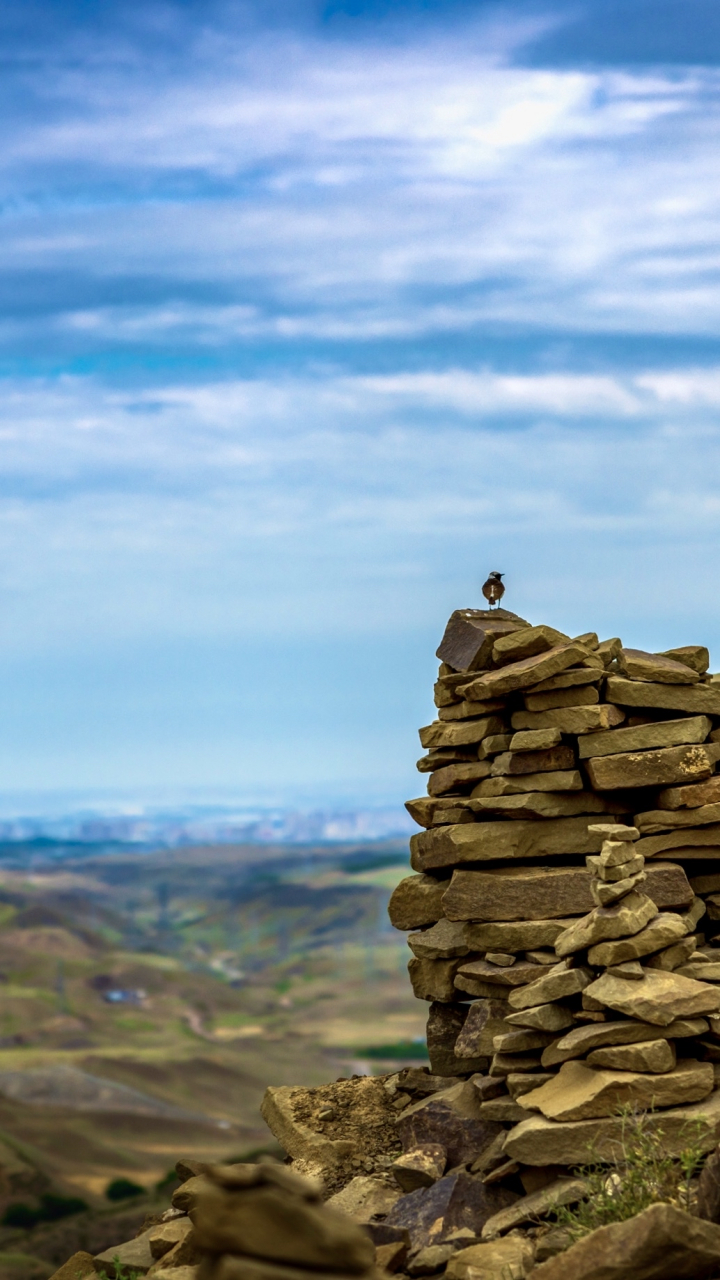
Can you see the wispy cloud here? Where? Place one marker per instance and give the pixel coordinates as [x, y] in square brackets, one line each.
[300, 329]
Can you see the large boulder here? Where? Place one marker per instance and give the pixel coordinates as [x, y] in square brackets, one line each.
[661, 1243]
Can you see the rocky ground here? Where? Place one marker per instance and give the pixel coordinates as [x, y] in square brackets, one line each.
[400, 1176]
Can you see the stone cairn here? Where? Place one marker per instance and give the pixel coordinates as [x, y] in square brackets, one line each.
[565, 910]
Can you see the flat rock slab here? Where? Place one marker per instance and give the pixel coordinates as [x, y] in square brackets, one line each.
[664, 733]
[457, 733]
[672, 820]
[648, 768]
[485, 841]
[666, 928]
[607, 923]
[529, 893]
[639, 665]
[576, 720]
[581, 1092]
[697, 837]
[660, 998]
[702, 699]
[661, 1243]
[584, 696]
[595, 1035]
[515, 785]
[554, 986]
[527, 672]
[657, 1056]
[537, 1205]
[541, 804]
[517, 763]
[526, 642]
[693, 796]
[515, 975]
[538, 1141]
[524, 935]
[457, 777]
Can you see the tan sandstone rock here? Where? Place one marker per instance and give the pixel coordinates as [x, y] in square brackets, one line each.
[659, 998]
[581, 1092]
[661, 1243]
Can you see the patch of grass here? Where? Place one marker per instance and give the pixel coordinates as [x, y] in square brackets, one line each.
[645, 1174]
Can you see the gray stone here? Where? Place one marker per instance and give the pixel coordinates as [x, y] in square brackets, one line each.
[444, 1026]
[458, 1200]
[469, 636]
[451, 1119]
[485, 1020]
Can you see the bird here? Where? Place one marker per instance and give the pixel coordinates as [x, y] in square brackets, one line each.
[493, 590]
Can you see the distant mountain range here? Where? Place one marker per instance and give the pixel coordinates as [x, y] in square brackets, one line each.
[149, 826]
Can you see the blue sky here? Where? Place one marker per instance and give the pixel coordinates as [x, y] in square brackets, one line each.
[310, 316]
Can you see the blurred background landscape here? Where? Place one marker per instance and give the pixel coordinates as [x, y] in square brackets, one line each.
[149, 995]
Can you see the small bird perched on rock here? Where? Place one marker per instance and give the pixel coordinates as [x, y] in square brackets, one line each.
[493, 590]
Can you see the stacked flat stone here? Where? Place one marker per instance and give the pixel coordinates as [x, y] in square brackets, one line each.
[570, 855]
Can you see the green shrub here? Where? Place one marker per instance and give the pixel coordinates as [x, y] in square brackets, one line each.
[645, 1174]
[123, 1189]
[401, 1050]
[50, 1209]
